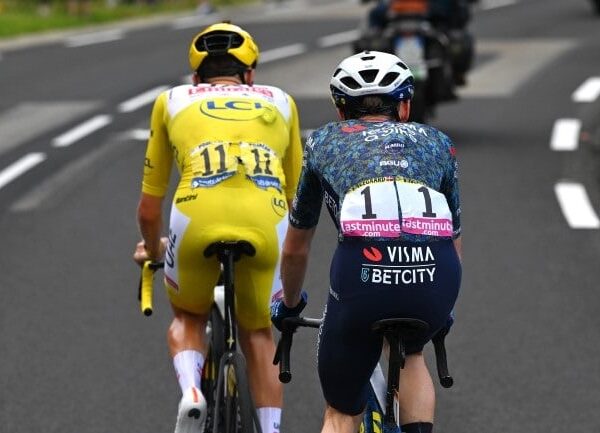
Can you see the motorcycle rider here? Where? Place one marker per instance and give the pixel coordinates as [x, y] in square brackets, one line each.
[448, 16]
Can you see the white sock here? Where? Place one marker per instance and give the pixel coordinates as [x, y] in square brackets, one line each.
[188, 367]
[270, 418]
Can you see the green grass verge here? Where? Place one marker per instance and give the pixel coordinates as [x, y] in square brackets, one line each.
[20, 17]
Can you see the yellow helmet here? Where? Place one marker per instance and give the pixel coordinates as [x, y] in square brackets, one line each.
[223, 38]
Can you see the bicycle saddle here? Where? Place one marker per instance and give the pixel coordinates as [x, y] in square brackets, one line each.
[237, 248]
[402, 327]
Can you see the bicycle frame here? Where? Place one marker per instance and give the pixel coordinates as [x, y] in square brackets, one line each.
[381, 412]
[231, 385]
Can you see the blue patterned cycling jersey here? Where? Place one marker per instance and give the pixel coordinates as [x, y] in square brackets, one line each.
[380, 180]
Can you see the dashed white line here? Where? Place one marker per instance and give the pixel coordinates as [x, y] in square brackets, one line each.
[139, 134]
[195, 21]
[338, 38]
[565, 135]
[494, 4]
[20, 166]
[141, 100]
[86, 128]
[576, 206]
[282, 53]
[94, 38]
[589, 91]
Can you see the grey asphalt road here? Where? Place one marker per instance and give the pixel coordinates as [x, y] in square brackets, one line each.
[76, 355]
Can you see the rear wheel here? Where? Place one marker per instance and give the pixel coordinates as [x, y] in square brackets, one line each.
[234, 405]
[216, 348]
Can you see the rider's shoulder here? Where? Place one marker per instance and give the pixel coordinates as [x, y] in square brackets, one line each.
[432, 131]
[270, 91]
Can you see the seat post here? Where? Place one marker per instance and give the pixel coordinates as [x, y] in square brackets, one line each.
[396, 362]
[227, 258]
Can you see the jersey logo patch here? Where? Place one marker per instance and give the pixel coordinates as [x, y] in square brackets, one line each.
[372, 254]
[352, 129]
[237, 109]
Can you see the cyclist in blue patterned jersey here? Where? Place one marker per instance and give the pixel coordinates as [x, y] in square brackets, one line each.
[391, 188]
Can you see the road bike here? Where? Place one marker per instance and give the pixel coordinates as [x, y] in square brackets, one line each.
[381, 413]
[224, 377]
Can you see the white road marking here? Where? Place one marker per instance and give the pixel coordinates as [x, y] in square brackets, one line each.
[94, 38]
[282, 52]
[68, 177]
[31, 119]
[86, 128]
[589, 91]
[495, 4]
[515, 62]
[19, 167]
[576, 206]
[338, 38]
[139, 134]
[139, 101]
[196, 21]
[565, 135]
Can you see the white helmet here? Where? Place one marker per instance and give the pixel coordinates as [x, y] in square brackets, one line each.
[371, 73]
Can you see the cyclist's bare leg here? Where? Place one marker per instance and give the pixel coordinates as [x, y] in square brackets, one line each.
[258, 347]
[186, 340]
[416, 394]
[335, 421]
[187, 332]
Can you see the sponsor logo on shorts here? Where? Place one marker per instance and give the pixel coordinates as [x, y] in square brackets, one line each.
[372, 254]
[186, 198]
[279, 206]
[170, 253]
[172, 284]
[403, 265]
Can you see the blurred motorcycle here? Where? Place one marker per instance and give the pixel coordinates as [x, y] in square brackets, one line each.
[434, 55]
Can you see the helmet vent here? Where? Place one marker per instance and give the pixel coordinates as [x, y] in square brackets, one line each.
[402, 65]
[337, 71]
[218, 42]
[367, 58]
[368, 75]
[350, 82]
[389, 78]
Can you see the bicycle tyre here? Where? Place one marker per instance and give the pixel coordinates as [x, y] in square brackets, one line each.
[215, 350]
[235, 411]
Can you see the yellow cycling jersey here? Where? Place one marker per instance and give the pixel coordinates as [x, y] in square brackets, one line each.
[215, 132]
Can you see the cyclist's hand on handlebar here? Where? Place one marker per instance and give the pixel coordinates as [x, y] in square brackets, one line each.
[140, 254]
[280, 311]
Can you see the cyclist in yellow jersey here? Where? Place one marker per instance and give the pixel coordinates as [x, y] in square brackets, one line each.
[238, 150]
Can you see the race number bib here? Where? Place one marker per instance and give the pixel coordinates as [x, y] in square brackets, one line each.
[213, 163]
[388, 207]
[262, 165]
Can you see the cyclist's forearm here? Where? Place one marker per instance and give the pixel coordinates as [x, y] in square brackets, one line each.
[293, 270]
[149, 216]
[151, 234]
[294, 261]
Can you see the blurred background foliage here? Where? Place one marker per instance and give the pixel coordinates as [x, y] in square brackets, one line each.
[18, 17]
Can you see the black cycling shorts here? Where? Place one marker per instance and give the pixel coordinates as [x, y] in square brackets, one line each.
[376, 280]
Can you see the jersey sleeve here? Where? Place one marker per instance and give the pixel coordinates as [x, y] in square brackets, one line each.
[450, 186]
[306, 206]
[159, 156]
[292, 161]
